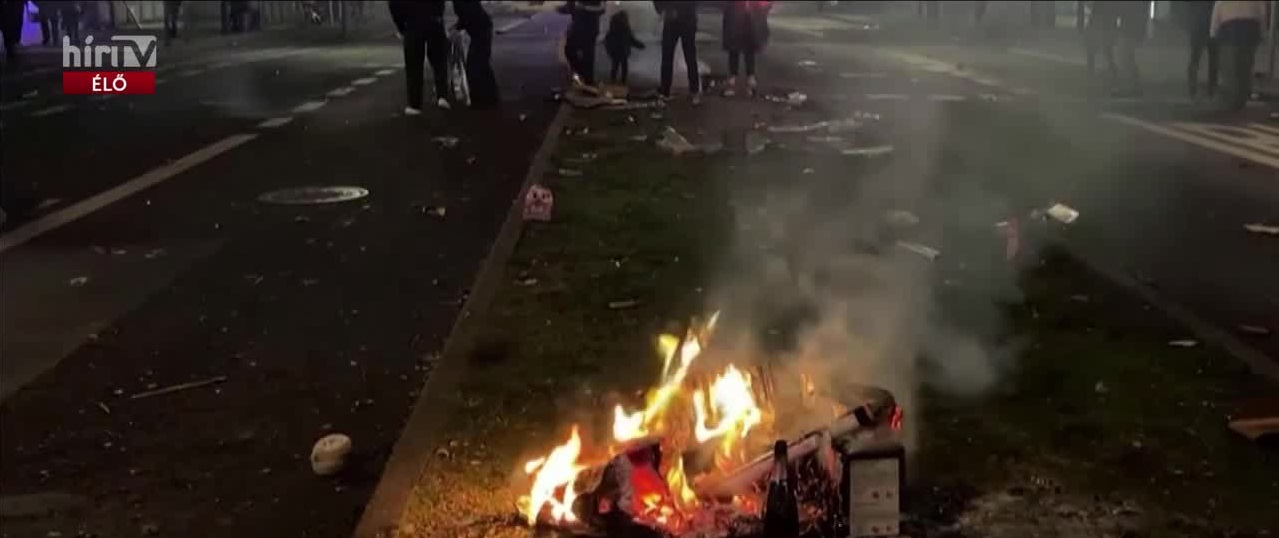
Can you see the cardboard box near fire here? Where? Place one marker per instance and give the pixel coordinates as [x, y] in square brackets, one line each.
[657, 478]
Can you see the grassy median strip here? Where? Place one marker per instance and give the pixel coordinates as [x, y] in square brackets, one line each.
[586, 294]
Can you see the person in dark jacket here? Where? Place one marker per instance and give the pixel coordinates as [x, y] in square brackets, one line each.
[583, 32]
[172, 8]
[48, 19]
[421, 29]
[69, 13]
[745, 33]
[11, 13]
[679, 26]
[618, 42]
[475, 21]
[1196, 18]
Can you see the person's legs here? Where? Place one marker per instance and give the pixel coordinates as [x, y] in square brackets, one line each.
[437, 53]
[414, 55]
[573, 46]
[615, 72]
[750, 62]
[479, 68]
[669, 35]
[1213, 62]
[1198, 44]
[734, 64]
[626, 69]
[1131, 78]
[688, 41]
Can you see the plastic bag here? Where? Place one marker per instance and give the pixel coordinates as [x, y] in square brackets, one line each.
[458, 85]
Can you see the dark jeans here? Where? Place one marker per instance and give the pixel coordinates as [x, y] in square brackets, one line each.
[48, 29]
[1199, 44]
[685, 34]
[433, 45]
[1238, 40]
[71, 26]
[581, 45]
[621, 68]
[734, 60]
[170, 20]
[479, 67]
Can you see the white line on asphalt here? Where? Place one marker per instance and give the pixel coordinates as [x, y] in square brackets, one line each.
[190, 72]
[13, 105]
[1265, 128]
[384, 72]
[946, 97]
[363, 81]
[1197, 140]
[340, 92]
[1046, 56]
[160, 80]
[1231, 134]
[275, 122]
[510, 26]
[110, 196]
[103, 96]
[56, 109]
[887, 96]
[309, 106]
[863, 75]
[1023, 91]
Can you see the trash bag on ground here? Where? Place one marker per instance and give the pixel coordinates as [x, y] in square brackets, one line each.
[458, 85]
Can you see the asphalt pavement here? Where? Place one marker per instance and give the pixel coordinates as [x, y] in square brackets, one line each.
[152, 264]
[1165, 185]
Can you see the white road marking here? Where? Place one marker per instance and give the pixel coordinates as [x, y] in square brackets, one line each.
[160, 80]
[1047, 56]
[103, 96]
[863, 75]
[946, 98]
[340, 92]
[13, 105]
[1229, 149]
[309, 106]
[1232, 134]
[887, 96]
[98, 201]
[56, 109]
[1022, 91]
[384, 72]
[1265, 128]
[363, 81]
[275, 122]
[510, 26]
[190, 72]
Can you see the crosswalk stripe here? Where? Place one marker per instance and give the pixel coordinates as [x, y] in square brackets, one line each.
[56, 109]
[1258, 141]
[1229, 149]
[309, 106]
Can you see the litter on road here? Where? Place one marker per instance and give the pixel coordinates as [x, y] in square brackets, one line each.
[1255, 330]
[446, 142]
[622, 305]
[179, 387]
[1259, 228]
[328, 456]
[923, 250]
[1063, 213]
[78, 281]
[674, 142]
[538, 203]
[900, 217]
[1183, 343]
[870, 151]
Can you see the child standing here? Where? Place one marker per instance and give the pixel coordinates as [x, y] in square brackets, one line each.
[618, 42]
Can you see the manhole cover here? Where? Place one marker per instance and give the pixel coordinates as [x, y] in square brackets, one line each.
[313, 195]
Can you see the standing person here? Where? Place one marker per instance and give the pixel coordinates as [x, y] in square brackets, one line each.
[679, 25]
[1099, 38]
[171, 10]
[1196, 19]
[1132, 19]
[618, 43]
[583, 32]
[48, 19]
[11, 13]
[475, 21]
[421, 29]
[745, 34]
[1237, 27]
[69, 12]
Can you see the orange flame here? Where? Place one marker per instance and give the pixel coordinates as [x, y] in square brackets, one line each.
[559, 469]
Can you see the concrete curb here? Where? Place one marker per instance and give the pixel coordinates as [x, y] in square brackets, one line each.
[412, 452]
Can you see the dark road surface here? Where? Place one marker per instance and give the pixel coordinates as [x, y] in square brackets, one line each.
[153, 264]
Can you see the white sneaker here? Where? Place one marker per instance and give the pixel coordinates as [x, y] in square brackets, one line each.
[751, 83]
[697, 99]
[443, 104]
[730, 87]
[410, 111]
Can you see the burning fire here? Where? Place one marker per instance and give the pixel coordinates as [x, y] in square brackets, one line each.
[726, 409]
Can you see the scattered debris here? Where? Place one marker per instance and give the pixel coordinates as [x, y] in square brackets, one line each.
[328, 456]
[829, 139]
[622, 305]
[807, 63]
[1100, 388]
[1257, 419]
[900, 217]
[674, 142]
[639, 138]
[870, 151]
[923, 250]
[528, 281]
[179, 387]
[569, 172]
[1259, 228]
[792, 98]
[523, 117]
[1183, 343]
[1062, 213]
[104, 408]
[446, 142]
[1255, 330]
[301, 218]
[807, 171]
[538, 203]
[1079, 298]
[31, 93]
[78, 281]
[1011, 230]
